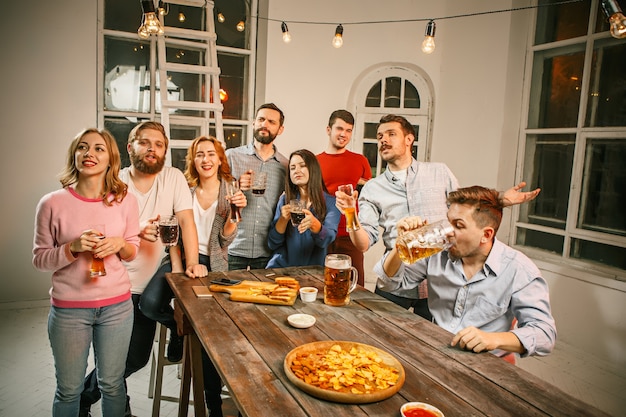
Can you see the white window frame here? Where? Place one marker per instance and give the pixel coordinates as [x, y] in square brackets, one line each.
[582, 134]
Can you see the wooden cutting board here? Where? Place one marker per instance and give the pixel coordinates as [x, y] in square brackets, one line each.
[258, 292]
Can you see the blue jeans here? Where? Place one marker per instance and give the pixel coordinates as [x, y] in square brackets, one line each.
[71, 332]
[139, 351]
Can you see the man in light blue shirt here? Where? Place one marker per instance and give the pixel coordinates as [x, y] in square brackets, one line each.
[406, 188]
[479, 285]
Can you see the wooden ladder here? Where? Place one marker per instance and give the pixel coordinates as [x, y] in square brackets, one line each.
[176, 112]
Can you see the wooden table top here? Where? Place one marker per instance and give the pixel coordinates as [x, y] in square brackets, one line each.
[248, 343]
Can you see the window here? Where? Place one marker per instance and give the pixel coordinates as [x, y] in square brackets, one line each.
[128, 94]
[575, 140]
[391, 89]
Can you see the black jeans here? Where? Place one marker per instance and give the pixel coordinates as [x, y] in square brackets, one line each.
[420, 306]
[157, 297]
[239, 262]
[138, 354]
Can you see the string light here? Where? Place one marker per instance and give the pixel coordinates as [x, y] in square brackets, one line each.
[338, 39]
[150, 24]
[428, 46]
[286, 34]
[181, 16]
[220, 17]
[617, 21]
[241, 26]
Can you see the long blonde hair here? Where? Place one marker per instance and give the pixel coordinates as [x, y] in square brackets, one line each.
[113, 185]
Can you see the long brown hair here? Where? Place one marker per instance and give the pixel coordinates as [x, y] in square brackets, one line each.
[315, 186]
[113, 185]
[191, 173]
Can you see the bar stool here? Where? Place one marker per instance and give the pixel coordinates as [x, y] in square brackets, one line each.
[159, 361]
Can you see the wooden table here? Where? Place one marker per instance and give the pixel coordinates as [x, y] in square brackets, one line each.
[248, 343]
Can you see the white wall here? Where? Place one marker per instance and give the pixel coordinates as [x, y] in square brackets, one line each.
[49, 93]
[48, 90]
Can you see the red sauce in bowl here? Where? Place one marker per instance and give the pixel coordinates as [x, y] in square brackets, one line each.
[419, 412]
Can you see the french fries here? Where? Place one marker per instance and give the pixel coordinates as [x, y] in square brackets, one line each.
[285, 289]
[357, 371]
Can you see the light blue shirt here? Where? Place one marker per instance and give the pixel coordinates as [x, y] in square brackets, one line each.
[508, 286]
[385, 200]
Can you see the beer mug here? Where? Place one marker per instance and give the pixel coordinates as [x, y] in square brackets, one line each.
[168, 230]
[297, 215]
[423, 242]
[340, 279]
[259, 181]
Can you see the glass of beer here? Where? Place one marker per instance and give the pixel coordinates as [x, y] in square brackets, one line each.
[168, 230]
[352, 221]
[231, 190]
[297, 215]
[259, 181]
[340, 279]
[96, 269]
[423, 242]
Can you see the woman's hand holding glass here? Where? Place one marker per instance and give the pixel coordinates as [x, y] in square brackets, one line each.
[310, 222]
[239, 199]
[95, 241]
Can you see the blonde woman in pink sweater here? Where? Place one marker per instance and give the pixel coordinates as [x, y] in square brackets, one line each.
[88, 310]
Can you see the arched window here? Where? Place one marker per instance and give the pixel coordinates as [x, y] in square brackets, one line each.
[400, 89]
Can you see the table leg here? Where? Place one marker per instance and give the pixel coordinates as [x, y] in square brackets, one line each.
[195, 352]
[192, 375]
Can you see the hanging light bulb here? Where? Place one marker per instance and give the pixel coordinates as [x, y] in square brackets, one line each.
[150, 24]
[338, 39]
[241, 26]
[223, 95]
[617, 20]
[181, 16]
[428, 46]
[220, 17]
[286, 34]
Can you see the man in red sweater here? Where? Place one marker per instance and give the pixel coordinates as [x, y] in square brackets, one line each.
[339, 167]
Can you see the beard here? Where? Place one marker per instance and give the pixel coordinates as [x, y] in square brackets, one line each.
[141, 165]
[265, 140]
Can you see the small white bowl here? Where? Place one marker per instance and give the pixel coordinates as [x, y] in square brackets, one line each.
[301, 321]
[423, 406]
[308, 294]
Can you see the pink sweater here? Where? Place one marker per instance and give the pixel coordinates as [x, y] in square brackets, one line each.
[61, 217]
